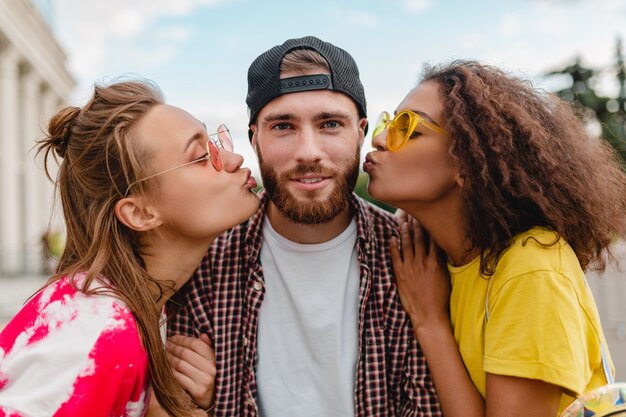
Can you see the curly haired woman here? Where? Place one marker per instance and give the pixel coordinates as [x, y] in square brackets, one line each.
[511, 191]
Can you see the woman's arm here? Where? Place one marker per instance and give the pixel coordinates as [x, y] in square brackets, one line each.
[424, 290]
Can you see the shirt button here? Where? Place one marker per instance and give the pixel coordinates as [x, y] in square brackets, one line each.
[245, 341]
[367, 246]
[258, 285]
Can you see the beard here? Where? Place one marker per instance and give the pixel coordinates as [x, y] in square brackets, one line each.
[312, 210]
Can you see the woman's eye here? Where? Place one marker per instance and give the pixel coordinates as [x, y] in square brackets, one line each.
[203, 158]
[415, 134]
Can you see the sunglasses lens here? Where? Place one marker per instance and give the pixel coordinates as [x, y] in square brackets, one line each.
[399, 131]
[381, 124]
[224, 136]
[214, 154]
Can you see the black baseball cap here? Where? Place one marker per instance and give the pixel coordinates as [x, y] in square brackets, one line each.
[265, 84]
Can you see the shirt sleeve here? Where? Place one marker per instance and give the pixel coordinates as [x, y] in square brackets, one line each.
[189, 311]
[538, 329]
[69, 365]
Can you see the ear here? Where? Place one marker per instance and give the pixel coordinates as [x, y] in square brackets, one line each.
[361, 126]
[134, 213]
[459, 179]
[253, 138]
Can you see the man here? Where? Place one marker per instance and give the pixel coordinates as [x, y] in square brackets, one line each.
[300, 302]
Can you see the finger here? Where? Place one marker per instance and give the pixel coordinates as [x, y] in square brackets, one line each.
[394, 248]
[193, 344]
[201, 360]
[201, 377]
[419, 244]
[414, 222]
[432, 248]
[406, 234]
[206, 339]
[400, 216]
[198, 393]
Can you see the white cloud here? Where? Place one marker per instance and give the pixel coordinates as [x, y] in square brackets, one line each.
[95, 33]
[417, 5]
[174, 33]
[510, 25]
[353, 17]
[361, 18]
[472, 41]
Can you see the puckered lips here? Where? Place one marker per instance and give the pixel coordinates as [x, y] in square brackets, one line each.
[250, 181]
[370, 163]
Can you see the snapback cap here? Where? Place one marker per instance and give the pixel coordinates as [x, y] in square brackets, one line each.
[265, 84]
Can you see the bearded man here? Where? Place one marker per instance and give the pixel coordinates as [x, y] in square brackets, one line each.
[299, 302]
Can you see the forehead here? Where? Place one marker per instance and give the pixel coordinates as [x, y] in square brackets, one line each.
[424, 98]
[164, 124]
[308, 104]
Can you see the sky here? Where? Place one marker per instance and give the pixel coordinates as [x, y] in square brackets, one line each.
[198, 51]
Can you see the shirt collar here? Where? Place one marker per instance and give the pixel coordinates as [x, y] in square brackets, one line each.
[254, 232]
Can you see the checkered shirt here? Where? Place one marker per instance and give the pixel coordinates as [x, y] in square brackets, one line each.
[224, 297]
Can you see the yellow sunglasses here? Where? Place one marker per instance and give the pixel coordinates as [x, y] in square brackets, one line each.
[401, 127]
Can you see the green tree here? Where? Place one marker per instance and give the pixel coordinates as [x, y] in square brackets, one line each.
[610, 112]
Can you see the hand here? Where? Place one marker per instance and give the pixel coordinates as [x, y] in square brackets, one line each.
[193, 362]
[421, 277]
[402, 216]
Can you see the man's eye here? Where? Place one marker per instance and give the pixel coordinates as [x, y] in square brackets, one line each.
[332, 124]
[282, 126]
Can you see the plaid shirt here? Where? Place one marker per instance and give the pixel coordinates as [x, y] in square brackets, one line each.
[224, 298]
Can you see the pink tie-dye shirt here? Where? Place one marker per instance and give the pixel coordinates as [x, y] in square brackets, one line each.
[70, 354]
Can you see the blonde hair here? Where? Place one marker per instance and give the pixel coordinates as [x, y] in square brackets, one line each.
[303, 61]
[100, 158]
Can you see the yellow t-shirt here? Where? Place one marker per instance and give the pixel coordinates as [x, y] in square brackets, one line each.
[543, 323]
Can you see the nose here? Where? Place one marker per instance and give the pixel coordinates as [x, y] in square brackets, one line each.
[231, 161]
[379, 141]
[309, 149]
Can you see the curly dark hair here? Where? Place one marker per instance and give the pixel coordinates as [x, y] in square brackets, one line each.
[526, 160]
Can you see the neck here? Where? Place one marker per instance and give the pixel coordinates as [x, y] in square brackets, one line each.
[446, 225]
[308, 233]
[173, 260]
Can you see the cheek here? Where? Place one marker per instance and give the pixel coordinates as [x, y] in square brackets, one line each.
[413, 177]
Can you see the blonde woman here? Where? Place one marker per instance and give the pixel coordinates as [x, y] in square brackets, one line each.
[145, 188]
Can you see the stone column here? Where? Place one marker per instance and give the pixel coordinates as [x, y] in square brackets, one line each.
[33, 188]
[53, 217]
[10, 215]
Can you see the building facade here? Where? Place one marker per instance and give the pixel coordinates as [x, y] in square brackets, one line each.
[34, 83]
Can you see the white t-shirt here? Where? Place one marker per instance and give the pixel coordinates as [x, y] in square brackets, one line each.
[308, 326]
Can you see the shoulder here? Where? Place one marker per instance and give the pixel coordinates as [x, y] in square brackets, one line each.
[377, 223]
[537, 249]
[539, 260]
[75, 340]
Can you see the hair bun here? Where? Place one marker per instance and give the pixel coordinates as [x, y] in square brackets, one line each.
[60, 129]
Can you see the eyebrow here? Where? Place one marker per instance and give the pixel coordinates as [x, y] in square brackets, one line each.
[192, 139]
[331, 115]
[279, 116]
[320, 116]
[424, 115]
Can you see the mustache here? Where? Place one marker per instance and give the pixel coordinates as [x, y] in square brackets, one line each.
[303, 169]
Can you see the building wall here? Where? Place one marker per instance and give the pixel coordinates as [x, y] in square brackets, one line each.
[34, 83]
[609, 291]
